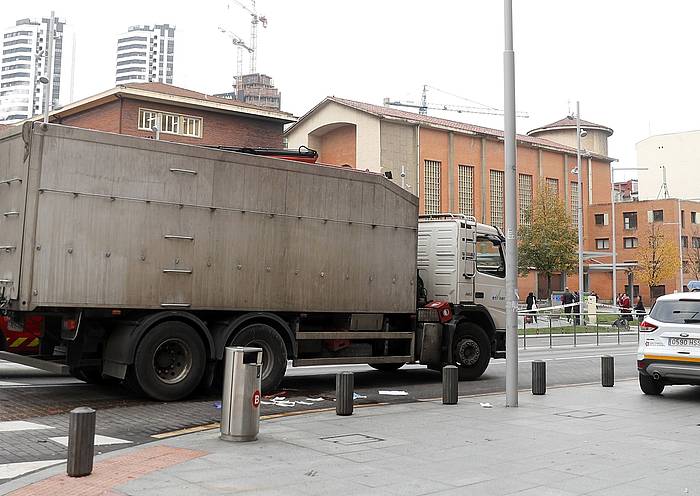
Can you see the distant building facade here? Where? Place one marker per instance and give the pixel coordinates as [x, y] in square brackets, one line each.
[452, 166]
[255, 89]
[24, 61]
[146, 54]
[679, 154]
[181, 115]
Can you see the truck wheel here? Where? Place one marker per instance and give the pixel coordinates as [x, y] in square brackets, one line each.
[274, 352]
[91, 375]
[470, 351]
[649, 385]
[170, 361]
[386, 367]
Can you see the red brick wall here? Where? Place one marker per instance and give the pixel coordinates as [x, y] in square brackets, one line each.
[217, 128]
[103, 118]
[338, 147]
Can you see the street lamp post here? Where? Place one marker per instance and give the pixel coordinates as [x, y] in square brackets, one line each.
[48, 93]
[580, 202]
[510, 211]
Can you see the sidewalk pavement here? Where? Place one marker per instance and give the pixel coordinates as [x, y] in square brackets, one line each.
[572, 441]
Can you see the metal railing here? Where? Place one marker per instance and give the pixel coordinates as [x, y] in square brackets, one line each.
[555, 325]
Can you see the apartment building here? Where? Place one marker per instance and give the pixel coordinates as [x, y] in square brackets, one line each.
[678, 221]
[146, 54]
[24, 61]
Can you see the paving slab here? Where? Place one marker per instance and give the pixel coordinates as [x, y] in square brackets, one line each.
[584, 440]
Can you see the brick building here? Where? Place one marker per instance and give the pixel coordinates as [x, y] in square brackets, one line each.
[633, 220]
[452, 166]
[182, 115]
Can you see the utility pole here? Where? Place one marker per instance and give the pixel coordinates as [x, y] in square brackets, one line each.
[510, 212]
[579, 209]
[48, 93]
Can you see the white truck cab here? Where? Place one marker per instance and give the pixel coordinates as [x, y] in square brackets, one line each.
[462, 262]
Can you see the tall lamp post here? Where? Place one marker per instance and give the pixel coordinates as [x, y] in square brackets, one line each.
[579, 210]
[510, 211]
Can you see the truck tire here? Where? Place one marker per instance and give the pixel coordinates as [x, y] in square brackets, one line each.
[386, 367]
[650, 386]
[274, 352]
[470, 351]
[170, 362]
[91, 375]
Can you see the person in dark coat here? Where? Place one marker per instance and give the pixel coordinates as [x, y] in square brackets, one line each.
[530, 303]
[639, 309]
[566, 299]
[577, 308]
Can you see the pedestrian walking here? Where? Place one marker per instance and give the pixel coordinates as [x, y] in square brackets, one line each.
[639, 310]
[567, 299]
[577, 308]
[531, 306]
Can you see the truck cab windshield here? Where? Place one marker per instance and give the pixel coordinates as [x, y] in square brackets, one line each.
[489, 256]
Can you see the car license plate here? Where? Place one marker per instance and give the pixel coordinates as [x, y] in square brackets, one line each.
[684, 342]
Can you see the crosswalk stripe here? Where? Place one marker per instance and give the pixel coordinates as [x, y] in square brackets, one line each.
[99, 440]
[21, 425]
[11, 470]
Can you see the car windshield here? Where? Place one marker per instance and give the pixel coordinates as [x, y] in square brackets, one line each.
[676, 312]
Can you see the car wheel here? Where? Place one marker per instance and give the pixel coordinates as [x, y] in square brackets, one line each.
[471, 351]
[649, 385]
[274, 352]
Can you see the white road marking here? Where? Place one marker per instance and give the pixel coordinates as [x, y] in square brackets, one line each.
[21, 425]
[10, 470]
[99, 440]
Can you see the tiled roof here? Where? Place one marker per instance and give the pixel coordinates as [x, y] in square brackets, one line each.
[570, 121]
[169, 89]
[393, 113]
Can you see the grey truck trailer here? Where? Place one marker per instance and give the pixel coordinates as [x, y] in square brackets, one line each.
[147, 258]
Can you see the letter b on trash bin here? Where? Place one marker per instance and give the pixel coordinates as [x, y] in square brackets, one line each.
[256, 399]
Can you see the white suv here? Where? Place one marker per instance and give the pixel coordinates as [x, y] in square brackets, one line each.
[669, 344]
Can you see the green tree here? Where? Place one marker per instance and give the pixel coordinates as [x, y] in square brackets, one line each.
[548, 242]
[658, 258]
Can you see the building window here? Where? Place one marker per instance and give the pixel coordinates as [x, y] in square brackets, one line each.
[601, 219]
[147, 119]
[635, 289]
[497, 195]
[696, 242]
[684, 241]
[602, 244]
[553, 185]
[432, 186]
[466, 190]
[656, 216]
[573, 202]
[682, 218]
[524, 198]
[630, 242]
[184, 125]
[693, 217]
[192, 126]
[630, 220]
[171, 123]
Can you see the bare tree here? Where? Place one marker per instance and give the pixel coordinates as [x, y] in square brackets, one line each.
[693, 254]
[658, 258]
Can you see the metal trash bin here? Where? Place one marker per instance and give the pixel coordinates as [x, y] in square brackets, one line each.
[240, 404]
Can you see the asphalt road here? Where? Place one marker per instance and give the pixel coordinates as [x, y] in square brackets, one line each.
[35, 396]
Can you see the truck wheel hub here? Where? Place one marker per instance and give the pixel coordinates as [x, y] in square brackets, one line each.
[467, 351]
[172, 361]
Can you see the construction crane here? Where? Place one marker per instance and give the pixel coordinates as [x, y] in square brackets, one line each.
[255, 19]
[423, 107]
[240, 46]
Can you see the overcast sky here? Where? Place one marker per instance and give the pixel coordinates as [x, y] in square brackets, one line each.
[632, 64]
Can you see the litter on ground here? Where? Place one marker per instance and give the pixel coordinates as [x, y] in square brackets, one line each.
[393, 393]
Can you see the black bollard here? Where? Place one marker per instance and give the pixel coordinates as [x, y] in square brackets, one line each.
[607, 370]
[81, 442]
[450, 381]
[539, 377]
[344, 392]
